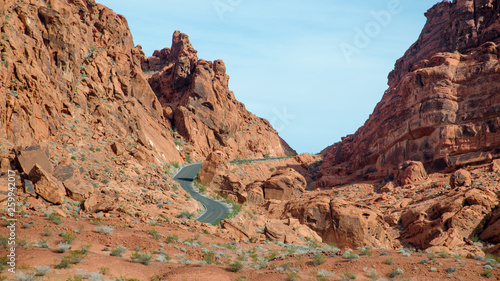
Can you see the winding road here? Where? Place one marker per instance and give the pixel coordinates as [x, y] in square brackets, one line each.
[214, 210]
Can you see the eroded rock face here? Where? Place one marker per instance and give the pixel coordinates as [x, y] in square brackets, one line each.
[196, 100]
[47, 186]
[491, 232]
[214, 166]
[448, 220]
[411, 171]
[289, 231]
[77, 188]
[442, 107]
[69, 57]
[285, 184]
[460, 178]
[347, 224]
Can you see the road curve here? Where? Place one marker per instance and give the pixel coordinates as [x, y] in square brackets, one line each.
[215, 210]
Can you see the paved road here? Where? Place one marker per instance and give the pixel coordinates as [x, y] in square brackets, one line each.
[215, 210]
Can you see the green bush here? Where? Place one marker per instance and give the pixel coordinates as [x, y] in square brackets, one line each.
[350, 275]
[349, 255]
[396, 271]
[55, 218]
[186, 215]
[118, 251]
[75, 257]
[235, 266]
[172, 238]
[318, 259]
[209, 257]
[154, 233]
[144, 258]
[68, 237]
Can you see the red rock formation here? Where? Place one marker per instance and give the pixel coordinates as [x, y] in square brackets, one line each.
[449, 219]
[347, 224]
[198, 103]
[75, 60]
[442, 106]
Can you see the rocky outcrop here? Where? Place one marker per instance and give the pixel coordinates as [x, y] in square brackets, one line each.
[442, 106]
[27, 159]
[198, 104]
[448, 220]
[77, 188]
[290, 232]
[285, 184]
[47, 186]
[410, 172]
[461, 178]
[348, 225]
[215, 166]
[491, 232]
[71, 75]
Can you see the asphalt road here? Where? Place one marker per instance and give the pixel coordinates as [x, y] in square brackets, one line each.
[215, 210]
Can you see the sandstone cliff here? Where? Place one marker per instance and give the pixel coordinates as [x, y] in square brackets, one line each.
[199, 105]
[68, 65]
[442, 106]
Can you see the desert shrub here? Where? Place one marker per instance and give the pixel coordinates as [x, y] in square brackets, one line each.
[118, 251]
[235, 266]
[209, 257]
[21, 276]
[144, 258]
[154, 233]
[488, 273]
[105, 229]
[389, 261]
[55, 218]
[349, 255]
[396, 271]
[318, 259]
[68, 237]
[186, 215]
[63, 247]
[42, 270]
[349, 276]
[172, 238]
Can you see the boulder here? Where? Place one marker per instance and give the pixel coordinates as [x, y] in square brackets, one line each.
[77, 188]
[447, 221]
[411, 171]
[285, 184]
[217, 163]
[280, 231]
[388, 187]
[358, 226]
[348, 225]
[28, 157]
[99, 203]
[117, 148]
[46, 185]
[304, 159]
[461, 178]
[491, 232]
[495, 165]
[255, 193]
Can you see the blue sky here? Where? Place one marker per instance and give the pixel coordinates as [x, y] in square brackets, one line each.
[315, 69]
